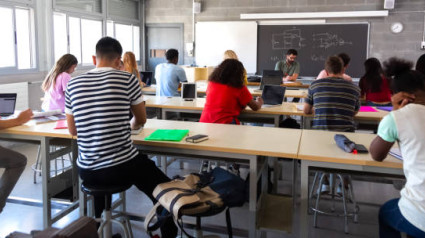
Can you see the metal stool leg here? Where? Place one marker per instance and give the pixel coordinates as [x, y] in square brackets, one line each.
[344, 203]
[316, 208]
[353, 200]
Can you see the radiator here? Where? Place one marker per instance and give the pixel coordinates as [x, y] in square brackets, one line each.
[21, 89]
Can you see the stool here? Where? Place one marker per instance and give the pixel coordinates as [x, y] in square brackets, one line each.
[107, 218]
[346, 214]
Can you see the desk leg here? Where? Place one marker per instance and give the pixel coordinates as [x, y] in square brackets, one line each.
[304, 200]
[159, 113]
[163, 114]
[45, 164]
[75, 178]
[253, 197]
[277, 120]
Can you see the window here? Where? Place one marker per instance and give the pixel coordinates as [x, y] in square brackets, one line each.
[77, 36]
[17, 40]
[127, 35]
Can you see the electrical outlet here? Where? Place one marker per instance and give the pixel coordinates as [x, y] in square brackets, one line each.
[423, 45]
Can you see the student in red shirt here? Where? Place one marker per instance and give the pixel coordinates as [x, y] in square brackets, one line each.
[375, 87]
[227, 95]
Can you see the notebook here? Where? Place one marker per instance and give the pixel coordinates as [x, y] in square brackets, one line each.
[146, 77]
[367, 109]
[7, 104]
[188, 91]
[167, 135]
[396, 153]
[273, 94]
[388, 108]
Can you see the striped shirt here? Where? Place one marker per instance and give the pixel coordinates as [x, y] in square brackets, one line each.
[335, 103]
[99, 101]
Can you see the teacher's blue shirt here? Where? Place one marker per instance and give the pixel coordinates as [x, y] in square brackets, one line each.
[168, 77]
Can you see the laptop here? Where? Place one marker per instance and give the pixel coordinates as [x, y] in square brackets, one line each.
[270, 80]
[267, 72]
[273, 94]
[188, 91]
[7, 104]
[146, 77]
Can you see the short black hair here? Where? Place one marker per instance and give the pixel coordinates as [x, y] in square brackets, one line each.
[291, 52]
[345, 58]
[404, 79]
[334, 65]
[108, 48]
[420, 64]
[229, 72]
[171, 54]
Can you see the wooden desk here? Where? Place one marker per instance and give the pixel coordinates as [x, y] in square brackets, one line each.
[234, 142]
[319, 150]
[43, 134]
[176, 104]
[289, 84]
[201, 91]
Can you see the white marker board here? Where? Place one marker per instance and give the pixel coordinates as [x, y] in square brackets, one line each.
[213, 38]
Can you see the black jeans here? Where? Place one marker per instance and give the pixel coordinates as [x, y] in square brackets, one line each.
[140, 171]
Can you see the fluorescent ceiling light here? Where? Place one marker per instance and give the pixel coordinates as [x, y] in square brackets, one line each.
[292, 22]
[304, 15]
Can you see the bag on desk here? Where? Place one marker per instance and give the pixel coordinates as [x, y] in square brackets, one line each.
[196, 195]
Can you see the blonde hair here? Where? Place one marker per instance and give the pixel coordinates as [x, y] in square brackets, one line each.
[62, 65]
[230, 54]
[130, 64]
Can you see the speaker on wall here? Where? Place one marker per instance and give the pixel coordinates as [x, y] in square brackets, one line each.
[196, 7]
[389, 4]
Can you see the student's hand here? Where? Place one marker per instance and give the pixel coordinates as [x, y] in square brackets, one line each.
[260, 101]
[24, 116]
[401, 99]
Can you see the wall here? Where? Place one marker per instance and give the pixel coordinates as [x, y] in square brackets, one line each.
[383, 43]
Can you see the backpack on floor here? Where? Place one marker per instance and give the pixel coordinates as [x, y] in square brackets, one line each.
[203, 194]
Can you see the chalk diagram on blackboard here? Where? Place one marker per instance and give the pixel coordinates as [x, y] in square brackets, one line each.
[327, 40]
[289, 39]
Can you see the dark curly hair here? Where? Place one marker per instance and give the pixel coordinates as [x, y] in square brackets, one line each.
[229, 72]
[404, 78]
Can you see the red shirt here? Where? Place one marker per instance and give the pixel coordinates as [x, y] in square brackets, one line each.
[384, 94]
[224, 103]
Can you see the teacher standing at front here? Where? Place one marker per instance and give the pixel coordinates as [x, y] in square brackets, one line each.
[289, 67]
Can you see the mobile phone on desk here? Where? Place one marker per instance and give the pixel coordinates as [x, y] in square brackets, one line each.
[196, 138]
[361, 149]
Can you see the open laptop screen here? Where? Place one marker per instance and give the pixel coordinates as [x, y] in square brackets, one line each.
[270, 80]
[7, 104]
[273, 94]
[146, 77]
[189, 91]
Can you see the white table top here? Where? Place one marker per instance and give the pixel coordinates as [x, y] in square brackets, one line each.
[317, 145]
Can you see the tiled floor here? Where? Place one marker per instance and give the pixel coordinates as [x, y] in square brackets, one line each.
[16, 217]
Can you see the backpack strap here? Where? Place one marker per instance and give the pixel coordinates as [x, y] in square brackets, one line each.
[159, 221]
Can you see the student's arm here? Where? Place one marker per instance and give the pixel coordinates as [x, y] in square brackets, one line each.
[71, 124]
[401, 99]
[387, 135]
[139, 115]
[277, 66]
[181, 74]
[308, 108]
[256, 104]
[22, 118]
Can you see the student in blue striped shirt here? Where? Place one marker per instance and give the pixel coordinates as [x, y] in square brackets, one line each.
[335, 101]
[97, 106]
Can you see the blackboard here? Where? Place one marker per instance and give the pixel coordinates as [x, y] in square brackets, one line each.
[314, 44]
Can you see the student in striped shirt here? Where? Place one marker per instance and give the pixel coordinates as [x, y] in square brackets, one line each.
[335, 100]
[97, 110]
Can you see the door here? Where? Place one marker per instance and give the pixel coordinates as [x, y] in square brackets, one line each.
[159, 38]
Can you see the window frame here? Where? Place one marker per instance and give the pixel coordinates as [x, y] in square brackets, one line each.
[80, 17]
[132, 24]
[26, 5]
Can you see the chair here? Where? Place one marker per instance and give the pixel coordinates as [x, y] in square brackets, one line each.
[107, 218]
[345, 199]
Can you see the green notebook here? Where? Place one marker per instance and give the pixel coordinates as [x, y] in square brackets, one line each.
[167, 135]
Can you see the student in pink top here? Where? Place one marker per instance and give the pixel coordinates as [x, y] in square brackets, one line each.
[54, 85]
[346, 59]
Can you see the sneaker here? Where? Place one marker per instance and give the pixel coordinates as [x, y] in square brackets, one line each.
[325, 189]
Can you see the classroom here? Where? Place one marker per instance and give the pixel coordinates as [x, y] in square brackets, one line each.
[297, 103]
